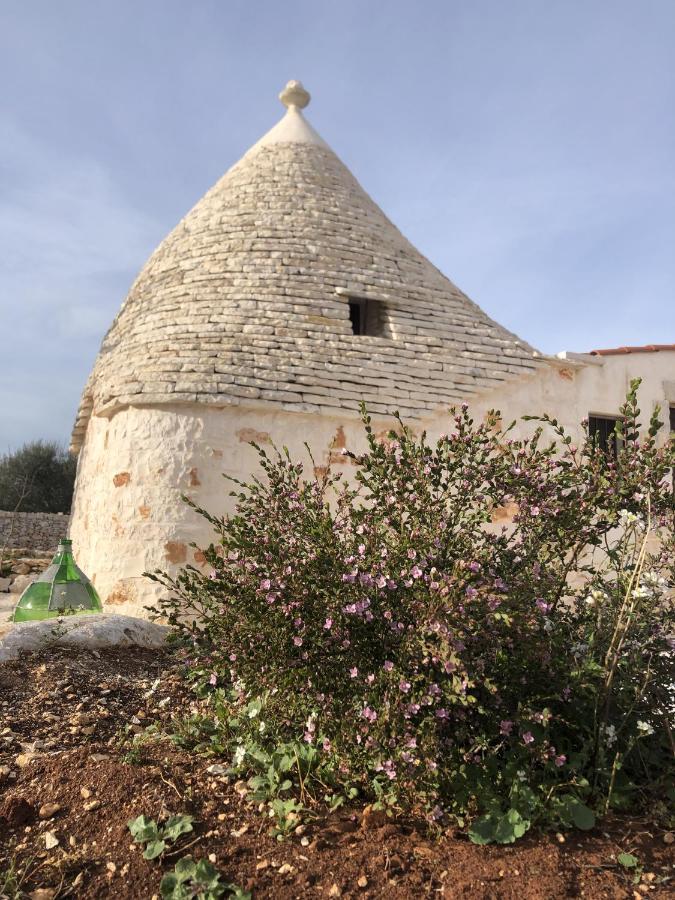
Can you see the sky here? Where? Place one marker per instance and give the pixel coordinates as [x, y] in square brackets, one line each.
[527, 147]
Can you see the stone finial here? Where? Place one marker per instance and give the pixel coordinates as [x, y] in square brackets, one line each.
[295, 95]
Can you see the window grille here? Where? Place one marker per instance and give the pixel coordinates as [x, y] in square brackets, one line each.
[602, 429]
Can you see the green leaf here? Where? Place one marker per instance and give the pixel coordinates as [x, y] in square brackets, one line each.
[168, 886]
[154, 849]
[177, 825]
[627, 860]
[185, 868]
[510, 827]
[207, 874]
[582, 816]
[143, 829]
[483, 830]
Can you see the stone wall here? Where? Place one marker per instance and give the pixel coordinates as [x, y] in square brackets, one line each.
[34, 531]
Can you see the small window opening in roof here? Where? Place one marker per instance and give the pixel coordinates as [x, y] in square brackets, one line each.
[366, 316]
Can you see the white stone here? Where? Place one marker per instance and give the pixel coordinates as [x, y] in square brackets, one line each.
[87, 632]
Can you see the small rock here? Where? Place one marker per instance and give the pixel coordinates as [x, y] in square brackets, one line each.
[286, 869]
[304, 841]
[319, 843]
[72, 841]
[5, 772]
[669, 837]
[362, 882]
[111, 867]
[98, 757]
[560, 838]
[217, 770]
[212, 858]
[42, 894]
[373, 818]
[335, 891]
[25, 759]
[51, 840]
[92, 805]
[49, 810]
[262, 865]
[85, 793]
[238, 832]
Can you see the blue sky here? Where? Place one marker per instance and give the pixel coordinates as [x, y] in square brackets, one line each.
[527, 147]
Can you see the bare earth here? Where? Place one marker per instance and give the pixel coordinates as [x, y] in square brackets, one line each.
[65, 777]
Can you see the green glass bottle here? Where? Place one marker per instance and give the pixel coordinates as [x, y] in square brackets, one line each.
[62, 589]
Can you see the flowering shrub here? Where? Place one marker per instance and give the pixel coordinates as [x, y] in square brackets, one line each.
[434, 659]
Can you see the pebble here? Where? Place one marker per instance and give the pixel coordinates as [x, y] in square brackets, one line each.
[85, 793]
[262, 865]
[92, 805]
[49, 810]
[335, 891]
[212, 857]
[286, 869]
[560, 838]
[669, 837]
[51, 840]
[25, 759]
[362, 882]
[111, 867]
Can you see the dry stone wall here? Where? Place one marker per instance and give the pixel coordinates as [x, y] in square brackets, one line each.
[32, 531]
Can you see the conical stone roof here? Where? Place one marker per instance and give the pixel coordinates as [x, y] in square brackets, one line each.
[246, 302]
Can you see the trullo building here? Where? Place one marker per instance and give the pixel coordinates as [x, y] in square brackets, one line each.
[282, 299]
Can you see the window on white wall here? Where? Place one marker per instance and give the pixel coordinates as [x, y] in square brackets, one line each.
[602, 429]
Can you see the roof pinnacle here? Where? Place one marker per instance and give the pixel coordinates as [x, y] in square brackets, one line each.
[294, 95]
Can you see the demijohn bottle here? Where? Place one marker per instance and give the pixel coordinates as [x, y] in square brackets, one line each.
[62, 589]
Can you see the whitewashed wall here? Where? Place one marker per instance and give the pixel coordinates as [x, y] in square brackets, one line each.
[128, 516]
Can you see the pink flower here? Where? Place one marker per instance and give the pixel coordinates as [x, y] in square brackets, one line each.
[328, 624]
[297, 641]
[404, 686]
[542, 606]
[213, 680]
[441, 714]
[416, 572]
[326, 745]
[388, 666]
[370, 678]
[265, 584]
[505, 726]
[528, 737]
[560, 760]
[353, 672]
